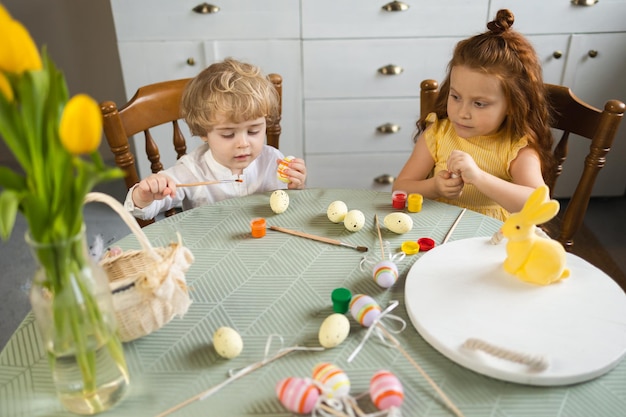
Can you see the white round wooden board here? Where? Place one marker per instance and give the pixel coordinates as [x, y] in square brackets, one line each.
[459, 290]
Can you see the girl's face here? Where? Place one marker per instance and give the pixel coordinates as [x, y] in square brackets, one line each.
[236, 145]
[476, 104]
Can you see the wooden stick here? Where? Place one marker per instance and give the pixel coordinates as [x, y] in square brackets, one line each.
[380, 238]
[217, 387]
[195, 184]
[445, 239]
[432, 383]
[318, 238]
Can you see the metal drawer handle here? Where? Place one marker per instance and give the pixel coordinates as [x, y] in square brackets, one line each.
[206, 8]
[557, 54]
[384, 179]
[191, 62]
[592, 53]
[584, 2]
[395, 6]
[390, 70]
[388, 128]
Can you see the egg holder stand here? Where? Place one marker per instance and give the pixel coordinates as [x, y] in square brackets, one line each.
[148, 286]
[234, 375]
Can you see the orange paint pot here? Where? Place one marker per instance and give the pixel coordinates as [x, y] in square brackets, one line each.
[257, 227]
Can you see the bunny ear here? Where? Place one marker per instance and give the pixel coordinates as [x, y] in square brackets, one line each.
[539, 208]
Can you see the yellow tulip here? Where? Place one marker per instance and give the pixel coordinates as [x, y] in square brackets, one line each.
[19, 52]
[4, 15]
[80, 129]
[5, 87]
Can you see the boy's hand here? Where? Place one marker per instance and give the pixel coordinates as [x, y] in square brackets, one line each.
[154, 187]
[296, 173]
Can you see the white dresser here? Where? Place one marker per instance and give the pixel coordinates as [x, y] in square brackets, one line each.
[352, 68]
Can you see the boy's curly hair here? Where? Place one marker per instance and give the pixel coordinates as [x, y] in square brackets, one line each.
[230, 91]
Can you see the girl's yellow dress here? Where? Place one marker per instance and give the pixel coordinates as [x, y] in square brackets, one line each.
[492, 154]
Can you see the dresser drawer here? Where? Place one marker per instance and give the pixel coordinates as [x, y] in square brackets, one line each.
[323, 19]
[349, 126]
[350, 68]
[354, 170]
[540, 16]
[176, 20]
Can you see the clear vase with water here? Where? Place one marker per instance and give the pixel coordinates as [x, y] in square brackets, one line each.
[72, 304]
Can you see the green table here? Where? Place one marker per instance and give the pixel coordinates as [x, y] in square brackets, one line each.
[281, 284]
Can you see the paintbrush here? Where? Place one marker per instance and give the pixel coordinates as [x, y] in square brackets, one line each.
[318, 238]
[195, 184]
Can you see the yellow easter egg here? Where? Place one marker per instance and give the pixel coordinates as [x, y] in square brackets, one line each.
[354, 220]
[337, 211]
[334, 330]
[227, 342]
[279, 201]
[398, 222]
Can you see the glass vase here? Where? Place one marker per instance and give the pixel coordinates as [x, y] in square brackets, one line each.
[73, 308]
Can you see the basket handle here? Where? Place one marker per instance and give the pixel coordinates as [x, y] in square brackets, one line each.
[125, 215]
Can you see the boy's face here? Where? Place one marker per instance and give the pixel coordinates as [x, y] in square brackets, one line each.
[476, 104]
[236, 145]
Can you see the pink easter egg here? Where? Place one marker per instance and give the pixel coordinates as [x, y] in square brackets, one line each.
[333, 379]
[386, 390]
[297, 394]
[364, 309]
[385, 273]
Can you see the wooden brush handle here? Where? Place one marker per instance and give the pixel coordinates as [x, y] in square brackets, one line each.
[306, 235]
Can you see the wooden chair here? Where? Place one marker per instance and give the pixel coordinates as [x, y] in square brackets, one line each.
[151, 106]
[570, 115]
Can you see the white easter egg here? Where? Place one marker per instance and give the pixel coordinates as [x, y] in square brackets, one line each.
[227, 342]
[334, 330]
[337, 211]
[398, 222]
[354, 220]
[279, 201]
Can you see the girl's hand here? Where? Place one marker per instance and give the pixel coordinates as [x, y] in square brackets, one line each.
[296, 173]
[463, 165]
[447, 185]
[154, 187]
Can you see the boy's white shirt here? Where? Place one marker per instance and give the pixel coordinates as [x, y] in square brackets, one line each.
[199, 165]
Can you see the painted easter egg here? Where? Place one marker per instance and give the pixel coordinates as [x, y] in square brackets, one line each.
[279, 201]
[364, 309]
[398, 222]
[283, 165]
[334, 380]
[334, 330]
[385, 273]
[298, 395]
[337, 211]
[386, 390]
[354, 220]
[227, 342]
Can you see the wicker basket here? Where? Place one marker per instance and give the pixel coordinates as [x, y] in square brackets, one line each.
[148, 285]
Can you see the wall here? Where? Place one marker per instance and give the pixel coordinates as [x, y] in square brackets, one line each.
[80, 38]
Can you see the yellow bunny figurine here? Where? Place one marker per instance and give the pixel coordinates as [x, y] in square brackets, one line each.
[530, 257]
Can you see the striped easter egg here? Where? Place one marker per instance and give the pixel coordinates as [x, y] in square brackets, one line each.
[335, 381]
[385, 273]
[386, 390]
[297, 394]
[364, 309]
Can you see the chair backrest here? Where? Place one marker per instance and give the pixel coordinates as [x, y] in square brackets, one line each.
[570, 115]
[151, 106]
